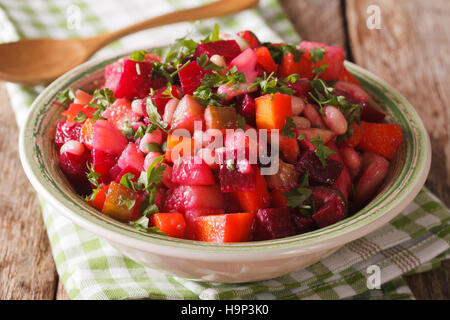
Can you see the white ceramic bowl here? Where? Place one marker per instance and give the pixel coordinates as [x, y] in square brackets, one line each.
[233, 262]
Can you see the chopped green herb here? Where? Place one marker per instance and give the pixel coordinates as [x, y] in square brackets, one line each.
[296, 197]
[286, 130]
[67, 95]
[321, 151]
[317, 54]
[269, 84]
[127, 181]
[154, 116]
[92, 176]
[80, 117]
[138, 55]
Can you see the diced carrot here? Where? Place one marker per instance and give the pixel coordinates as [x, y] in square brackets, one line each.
[178, 145]
[265, 59]
[381, 138]
[289, 65]
[75, 109]
[121, 203]
[221, 118]
[87, 133]
[354, 140]
[289, 148]
[229, 227]
[251, 201]
[346, 76]
[172, 224]
[100, 197]
[272, 110]
[278, 198]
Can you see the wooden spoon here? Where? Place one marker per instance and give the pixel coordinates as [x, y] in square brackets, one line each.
[40, 61]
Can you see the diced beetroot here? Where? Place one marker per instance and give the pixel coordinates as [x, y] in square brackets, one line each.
[303, 224]
[333, 58]
[344, 182]
[318, 174]
[183, 198]
[232, 178]
[134, 78]
[160, 100]
[250, 37]
[191, 216]
[245, 63]
[192, 170]
[114, 172]
[302, 87]
[66, 131]
[375, 170]
[370, 114]
[187, 111]
[120, 112]
[75, 169]
[167, 176]
[131, 157]
[229, 49]
[103, 162]
[273, 223]
[191, 77]
[113, 72]
[246, 107]
[329, 204]
[108, 139]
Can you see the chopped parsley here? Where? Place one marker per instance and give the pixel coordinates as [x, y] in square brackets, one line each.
[270, 84]
[300, 198]
[287, 128]
[322, 151]
[154, 116]
[138, 55]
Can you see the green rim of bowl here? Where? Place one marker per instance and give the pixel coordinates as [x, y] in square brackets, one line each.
[410, 178]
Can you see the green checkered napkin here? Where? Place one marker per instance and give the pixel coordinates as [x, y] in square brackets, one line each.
[417, 240]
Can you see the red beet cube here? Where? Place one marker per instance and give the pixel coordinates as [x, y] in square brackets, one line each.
[318, 174]
[192, 170]
[273, 223]
[66, 131]
[229, 49]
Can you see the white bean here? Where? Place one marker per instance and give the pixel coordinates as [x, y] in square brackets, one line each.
[136, 106]
[334, 119]
[297, 105]
[359, 94]
[301, 122]
[218, 60]
[351, 159]
[169, 110]
[73, 147]
[313, 115]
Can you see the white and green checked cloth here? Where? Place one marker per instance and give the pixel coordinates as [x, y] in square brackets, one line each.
[415, 241]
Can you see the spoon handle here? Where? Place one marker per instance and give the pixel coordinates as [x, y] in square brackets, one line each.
[215, 9]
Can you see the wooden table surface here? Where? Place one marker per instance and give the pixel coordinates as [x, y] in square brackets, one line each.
[410, 51]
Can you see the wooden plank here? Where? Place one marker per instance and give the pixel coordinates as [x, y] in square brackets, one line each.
[410, 51]
[61, 293]
[27, 270]
[317, 20]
